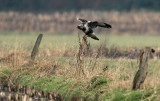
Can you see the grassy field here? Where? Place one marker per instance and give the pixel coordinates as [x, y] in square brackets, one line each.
[63, 41]
[114, 84]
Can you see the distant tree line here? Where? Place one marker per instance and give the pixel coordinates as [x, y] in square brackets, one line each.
[68, 5]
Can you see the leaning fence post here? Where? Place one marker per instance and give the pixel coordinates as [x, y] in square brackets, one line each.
[35, 48]
[143, 65]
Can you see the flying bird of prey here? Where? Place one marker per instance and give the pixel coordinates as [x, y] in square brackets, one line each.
[87, 27]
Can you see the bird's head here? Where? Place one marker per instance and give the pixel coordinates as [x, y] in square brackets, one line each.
[81, 27]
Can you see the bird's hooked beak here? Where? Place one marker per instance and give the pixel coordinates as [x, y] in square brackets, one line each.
[78, 27]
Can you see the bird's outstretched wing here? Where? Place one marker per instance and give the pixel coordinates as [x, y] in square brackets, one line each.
[93, 36]
[82, 20]
[100, 24]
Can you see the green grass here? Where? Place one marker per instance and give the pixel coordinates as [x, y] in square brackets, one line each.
[65, 41]
[128, 95]
[69, 88]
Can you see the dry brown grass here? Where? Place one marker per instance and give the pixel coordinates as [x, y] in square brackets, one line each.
[120, 71]
[122, 22]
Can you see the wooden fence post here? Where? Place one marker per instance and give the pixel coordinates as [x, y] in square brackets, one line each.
[35, 48]
[143, 65]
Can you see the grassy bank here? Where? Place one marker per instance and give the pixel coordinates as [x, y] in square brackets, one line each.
[97, 90]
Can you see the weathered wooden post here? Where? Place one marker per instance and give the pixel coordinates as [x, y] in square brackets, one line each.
[86, 46]
[35, 48]
[143, 65]
[81, 52]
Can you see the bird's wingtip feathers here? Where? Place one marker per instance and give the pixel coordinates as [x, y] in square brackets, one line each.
[93, 36]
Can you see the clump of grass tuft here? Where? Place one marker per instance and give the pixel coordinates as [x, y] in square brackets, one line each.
[118, 97]
[6, 71]
[97, 81]
[128, 95]
[4, 76]
[139, 95]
